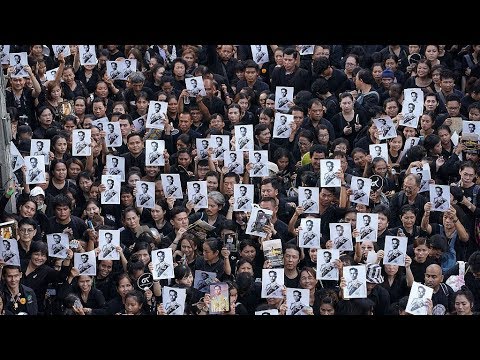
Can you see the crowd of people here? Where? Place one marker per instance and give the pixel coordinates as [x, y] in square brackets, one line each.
[337, 92]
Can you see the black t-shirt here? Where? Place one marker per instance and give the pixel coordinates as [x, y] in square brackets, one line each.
[443, 300]
[292, 283]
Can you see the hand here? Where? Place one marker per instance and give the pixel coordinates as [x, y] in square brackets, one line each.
[380, 255]
[427, 207]
[408, 261]
[225, 253]
[347, 130]
[170, 202]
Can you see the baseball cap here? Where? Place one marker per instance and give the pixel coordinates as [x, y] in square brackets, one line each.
[37, 190]
[374, 274]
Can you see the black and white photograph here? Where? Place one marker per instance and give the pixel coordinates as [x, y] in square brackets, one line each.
[172, 186]
[395, 250]
[219, 144]
[341, 235]
[197, 193]
[57, 245]
[202, 145]
[113, 70]
[233, 160]
[81, 142]
[139, 123]
[471, 127]
[367, 225]
[283, 95]
[308, 198]
[440, 197]
[145, 197]
[309, 235]
[203, 280]
[272, 283]
[108, 240]
[116, 166]
[4, 54]
[326, 269]
[258, 219]
[174, 300]
[18, 61]
[51, 74]
[129, 66]
[297, 301]
[356, 280]
[112, 193]
[162, 264]
[282, 127]
[154, 152]
[101, 123]
[9, 252]
[87, 54]
[378, 150]
[85, 262]
[267, 312]
[61, 49]
[409, 143]
[259, 161]
[412, 107]
[386, 126]
[423, 172]
[17, 158]
[40, 147]
[219, 298]
[417, 300]
[243, 197]
[195, 86]
[35, 169]
[328, 168]
[157, 114]
[230, 241]
[361, 190]
[113, 138]
[306, 49]
[272, 250]
[260, 54]
[244, 137]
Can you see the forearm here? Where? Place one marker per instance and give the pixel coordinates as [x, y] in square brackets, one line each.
[291, 223]
[425, 222]
[37, 89]
[462, 233]
[204, 109]
[226, 266]
[343, 197]
[410, 278]
[157, 289]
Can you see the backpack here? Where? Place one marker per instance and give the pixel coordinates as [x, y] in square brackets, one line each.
[457, 281]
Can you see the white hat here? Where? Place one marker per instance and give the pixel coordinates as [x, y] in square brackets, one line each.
[37, 190]
[273, 168]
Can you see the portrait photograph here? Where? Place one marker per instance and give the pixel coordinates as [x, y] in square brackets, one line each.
[378, 150]
[341, 235]
[328, 168]
[35, 169]
[40, 147]
[108, 240]
[154, 152]
[174, 300]
[126, 67]
[17, 158]
[306, 49]
[219, 298]
[230, 241]
[282, 127]
[139, 123]
[157, 112]
[423, 172]
[4, 54]
[440, 197]
[267, 312]
[243, 197]
[417, 300]
[101, 123]
[202, 145]
[361, 190]
[203, 280]
[355, 277]
[367, 225]
[58, 245]
[260, 54]
[195, 86]
[197, 193]
[258, 219]
[145, 197]
[309, 235]
[116, 166]
[81, 140]
[17, 62]
[244, 137]
[297, 301]
[172, 185]
[9, 252]
[113, 70]
[112, 193]
[233, 160]
[395, 250]
[61, 49]
[219, 144]
[113, 138]
[470, 127]
[412, 107]
[326, 269]
[259, 161]
[283, 95]
[272, 283]
[87, 55]
[308, 199]
[51, 74]
[85, 262]
[162, 264]
[409, 143]
[386, 126]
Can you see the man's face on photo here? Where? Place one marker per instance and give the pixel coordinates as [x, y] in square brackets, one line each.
[243, 190]
[283, 119]
[297, 296]
[33, 162]
[39, 145]
[309, 225]
[154, 146]
[258, 157]
[56, 238]
[115, 162]
[366, 220]
[193, 82]
[411, 107]
[439, 191]
[327, 256]
[108, 237]
[471, 127]
[173, 295]
[196, 187]
[421, 291]
[353, 273]
[284, 92]
[84, 258]
[144, 187]
[273, 276]
[243, 131]
[110, 184]
[81, 135]
[218, 290]
[233, 157]
[308, 194]
[219, 141]
[329, 166]
[160, 256]
[340, 230]
[170, 179]
[360, 184]
[395, 243]
[157, 107]
[205, 144]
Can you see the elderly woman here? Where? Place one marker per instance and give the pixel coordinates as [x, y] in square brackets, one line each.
[212, 215]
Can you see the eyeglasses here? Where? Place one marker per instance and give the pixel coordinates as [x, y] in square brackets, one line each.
[26, 231]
